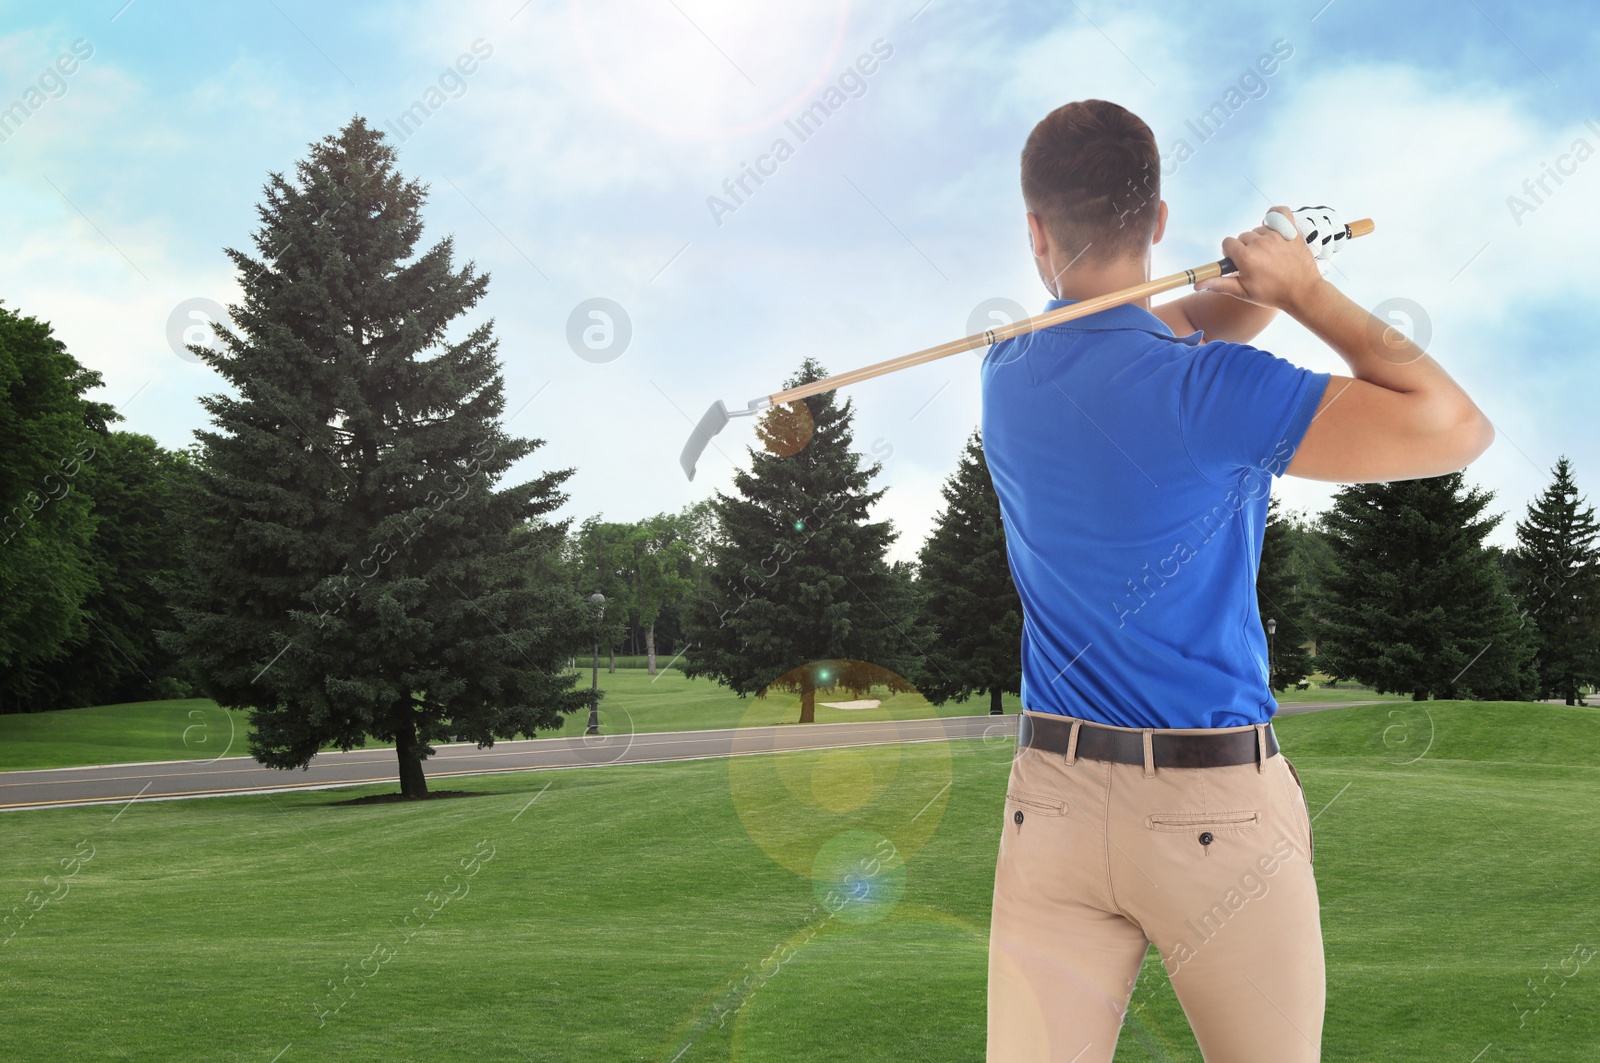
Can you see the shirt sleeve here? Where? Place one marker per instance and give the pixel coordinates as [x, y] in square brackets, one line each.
[1241, 408]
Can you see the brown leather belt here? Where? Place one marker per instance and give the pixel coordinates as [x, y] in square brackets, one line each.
[1127, 747]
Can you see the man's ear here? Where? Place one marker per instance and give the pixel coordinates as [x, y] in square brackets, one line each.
[1038, 238]
[1161, 222]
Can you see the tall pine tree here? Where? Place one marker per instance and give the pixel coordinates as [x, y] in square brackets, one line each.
[1417, 605]
[1557, 565]
[358, 572]
[795, 582]
[970, 613]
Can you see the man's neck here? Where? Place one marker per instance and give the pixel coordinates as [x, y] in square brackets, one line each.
[1085, 280]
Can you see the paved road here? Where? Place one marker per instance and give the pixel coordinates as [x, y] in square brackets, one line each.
[175, 779]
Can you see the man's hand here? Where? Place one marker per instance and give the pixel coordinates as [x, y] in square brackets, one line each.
[1273, 271]
[1320, 227]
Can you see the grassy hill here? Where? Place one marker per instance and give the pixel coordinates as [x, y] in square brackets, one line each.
[650, 912]
[190, 729]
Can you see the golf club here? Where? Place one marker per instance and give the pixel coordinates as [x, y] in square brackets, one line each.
[718, 416]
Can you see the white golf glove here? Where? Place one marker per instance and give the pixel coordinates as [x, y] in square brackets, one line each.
[1320, 227]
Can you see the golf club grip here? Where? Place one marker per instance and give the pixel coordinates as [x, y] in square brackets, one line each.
[1359, 227]
[1082, 308]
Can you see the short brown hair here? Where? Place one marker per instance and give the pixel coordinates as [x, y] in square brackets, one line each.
[1092, 173]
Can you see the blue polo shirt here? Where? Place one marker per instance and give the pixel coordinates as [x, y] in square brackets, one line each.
[1134, 469]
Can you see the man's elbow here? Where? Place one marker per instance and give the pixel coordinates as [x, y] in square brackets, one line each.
[1479, 434]
[1450, 431]
[1469, 435]
[1485, 436]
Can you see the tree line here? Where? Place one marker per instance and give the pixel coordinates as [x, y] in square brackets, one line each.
[1394, 587]
[342, 552]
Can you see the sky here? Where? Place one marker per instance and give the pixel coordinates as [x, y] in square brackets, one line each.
[594, 152]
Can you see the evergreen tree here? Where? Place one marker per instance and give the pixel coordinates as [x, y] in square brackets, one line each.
[357, 572]
[48, 433]
[1314, 566]
[796, 583]
[1557, 566]
[1417, 605]
[970, 613]
[1280, 595]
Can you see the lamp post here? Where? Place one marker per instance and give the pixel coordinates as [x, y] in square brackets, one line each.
[599, 601]
[1272, 629]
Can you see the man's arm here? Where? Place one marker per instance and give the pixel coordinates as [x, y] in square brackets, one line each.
[1399, 416]
[1218, 318]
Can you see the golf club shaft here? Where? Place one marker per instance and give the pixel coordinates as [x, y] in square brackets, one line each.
[1083, 308]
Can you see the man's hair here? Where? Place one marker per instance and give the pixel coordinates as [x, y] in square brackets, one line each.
[1092, 173]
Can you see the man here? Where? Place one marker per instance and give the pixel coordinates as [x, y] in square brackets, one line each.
[1133, 452]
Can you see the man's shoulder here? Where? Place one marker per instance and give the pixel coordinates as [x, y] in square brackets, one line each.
[1213, 358]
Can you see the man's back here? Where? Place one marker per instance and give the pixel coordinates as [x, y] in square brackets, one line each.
[1133, 470]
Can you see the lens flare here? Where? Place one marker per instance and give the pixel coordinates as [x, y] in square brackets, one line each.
[793, 803]
[786, 430]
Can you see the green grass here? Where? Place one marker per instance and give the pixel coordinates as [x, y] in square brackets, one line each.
[623, 903]
[1342, 693]
[191, 729]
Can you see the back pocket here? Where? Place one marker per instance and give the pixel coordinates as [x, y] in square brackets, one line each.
[1044, 806]
[1211, 821]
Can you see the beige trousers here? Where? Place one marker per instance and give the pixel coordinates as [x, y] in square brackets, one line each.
[1211, 865]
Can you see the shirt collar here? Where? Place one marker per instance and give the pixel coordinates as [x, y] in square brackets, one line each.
[1127, 316]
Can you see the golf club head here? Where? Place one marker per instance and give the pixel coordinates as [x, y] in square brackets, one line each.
[714, 421]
